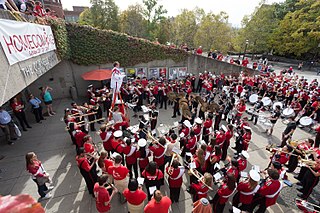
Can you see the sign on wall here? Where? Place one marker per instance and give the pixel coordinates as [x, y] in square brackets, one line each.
[141, 72]
[157, 72]
[21, 40]
[177, 72]
[131, 72]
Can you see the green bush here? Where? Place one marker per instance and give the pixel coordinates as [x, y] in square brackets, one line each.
[86, 45]
[60, 33]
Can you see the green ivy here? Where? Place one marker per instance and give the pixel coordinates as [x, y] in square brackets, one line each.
[94, 46]
[86, 45]
[60, 34]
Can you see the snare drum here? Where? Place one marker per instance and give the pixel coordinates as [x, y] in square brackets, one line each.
[266, 101]
[253, 98]
[305, 121]
[277, 104]
[288, 112]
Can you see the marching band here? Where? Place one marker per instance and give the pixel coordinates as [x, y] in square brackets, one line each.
[212, 115]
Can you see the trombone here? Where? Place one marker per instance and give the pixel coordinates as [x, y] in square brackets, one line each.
[152, 138]
[170, 170]
[81, 123]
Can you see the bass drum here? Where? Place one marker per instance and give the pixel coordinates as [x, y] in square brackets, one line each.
[253, 98]
[277, 104]
[266, 101]
[305, 121]
[288, 112]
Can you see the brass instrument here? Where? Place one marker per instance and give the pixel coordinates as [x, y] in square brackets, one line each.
[152, 138]
[181, 95]
[308, 162]
[199, 99]
[213, 107]
[78, 116]
[172, 96]
[199, 176]
[186, 113]
[81, 123]
[170, 170]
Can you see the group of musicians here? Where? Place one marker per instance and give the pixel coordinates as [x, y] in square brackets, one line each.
[199, 144]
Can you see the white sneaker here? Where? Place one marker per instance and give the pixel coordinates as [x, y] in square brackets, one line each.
[49, 189]
[48, 196]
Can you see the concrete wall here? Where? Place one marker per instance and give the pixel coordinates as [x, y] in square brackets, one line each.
[67, 74]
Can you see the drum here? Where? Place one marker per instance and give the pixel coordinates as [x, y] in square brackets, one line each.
[253, 98]
[277, 104]
[266, 101]
[305, 121]
[288, 112]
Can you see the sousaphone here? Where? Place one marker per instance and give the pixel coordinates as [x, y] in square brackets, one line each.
[172, 96]
[186, 113]
[213, 107]
[181, 95]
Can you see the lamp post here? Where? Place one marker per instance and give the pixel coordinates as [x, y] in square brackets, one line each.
[245, 49]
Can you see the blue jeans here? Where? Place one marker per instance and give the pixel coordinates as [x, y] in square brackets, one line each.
[41, 189]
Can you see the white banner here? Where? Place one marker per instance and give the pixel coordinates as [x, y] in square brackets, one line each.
[21, 40]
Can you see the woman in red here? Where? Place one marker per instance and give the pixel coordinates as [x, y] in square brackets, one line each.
[200, 163]
[233, 169]
[106, 136]
[241, 108]
[77, 134]
[215, 157]
[143, 155]
[131, 157]
[104, 163]
[200, 189]
[224, 192]
[88, 170]
[175, 173]
[158, 152]
[88, 144]
[191, 145]
[153, 177]
[135, 196]
[102, 196]
[246, 138]
[39, 175]
[246, 190]
[18, 110]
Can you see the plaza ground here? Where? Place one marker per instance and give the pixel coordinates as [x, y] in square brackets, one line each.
[52, 144]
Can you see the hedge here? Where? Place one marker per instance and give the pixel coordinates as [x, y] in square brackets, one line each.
[85, 45]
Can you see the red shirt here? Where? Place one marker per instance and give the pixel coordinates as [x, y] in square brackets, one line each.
[242, 164]
[33, 169]
[79, 135]
[88, 148]
[192, 144]
[130, 152]
[268, 190]
[244, 187]
[241, 109]
[102, 196]
[175, 179]
[206, 126]
[118, 173]
[157, 176]
[143, 162]
[246, 140]
[161, 207]
[135, 198]
[224, 193]
[83, 163]
[228, 135]
[199, 51]
[233, 171]
[158, 154]
[16, 107]
[220, 138]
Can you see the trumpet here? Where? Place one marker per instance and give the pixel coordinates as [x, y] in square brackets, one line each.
[170, 171]
[199, 176]
[152, 138]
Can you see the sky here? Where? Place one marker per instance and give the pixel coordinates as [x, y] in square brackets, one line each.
[236, 9]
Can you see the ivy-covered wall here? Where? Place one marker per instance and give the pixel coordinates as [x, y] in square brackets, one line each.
[86, 45]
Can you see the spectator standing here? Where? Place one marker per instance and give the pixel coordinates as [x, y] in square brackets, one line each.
[18, 110]
[158, 203]
[102, 196]
[135, 196]
[39, 175]
[199, 51]
[38, 9]
[36, 108]
[47, 98]
[7, 126]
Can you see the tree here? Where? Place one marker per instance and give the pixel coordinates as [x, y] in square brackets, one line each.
[103, 15]
[185, 27]
[258, 28]
[153, 13]
[132, 21]
[214, 32]
[299, 32]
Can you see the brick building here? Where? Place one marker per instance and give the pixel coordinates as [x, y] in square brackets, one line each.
[54, 5]
[73, 16]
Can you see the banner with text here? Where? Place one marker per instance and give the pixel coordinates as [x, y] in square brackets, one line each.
[21, 40]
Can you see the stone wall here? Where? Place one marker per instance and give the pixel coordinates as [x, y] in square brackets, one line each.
[67, 74]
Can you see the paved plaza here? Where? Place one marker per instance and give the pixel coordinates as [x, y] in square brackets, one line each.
[53, 146]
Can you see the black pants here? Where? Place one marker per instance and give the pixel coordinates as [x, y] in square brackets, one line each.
[293, 162]
[38, 114]
[216, 206]
[164, 100]
[317, 140]
[174, 194]
[135, 170]
[21, 116]
[99, 114]
[176, 111]
[258, 201]
[91, 118]
[308, 180]
[41, 189]
[224, 150]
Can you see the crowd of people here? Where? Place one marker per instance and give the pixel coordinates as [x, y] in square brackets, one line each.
[135, 160]
[27, 7]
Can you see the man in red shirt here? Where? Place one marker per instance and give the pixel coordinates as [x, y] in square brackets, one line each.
[18, 110]
[102, 195]
[245, 62]
[120, 175]
[158, 203]
[199, 51]
[135, 196]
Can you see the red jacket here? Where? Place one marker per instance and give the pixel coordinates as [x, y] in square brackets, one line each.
[224, 193]
[201, 189]
[271, 190]
[131, 154]
[158, 154]
[192, 144]
[175, 179]
[246, 194]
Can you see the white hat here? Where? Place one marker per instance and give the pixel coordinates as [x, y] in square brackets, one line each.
[117, 134]
[254, 175]
[224, 128]
[181, 135]
[187, 123]
[247, 127]
[245, 154]
[142, 142]
[198, 120]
